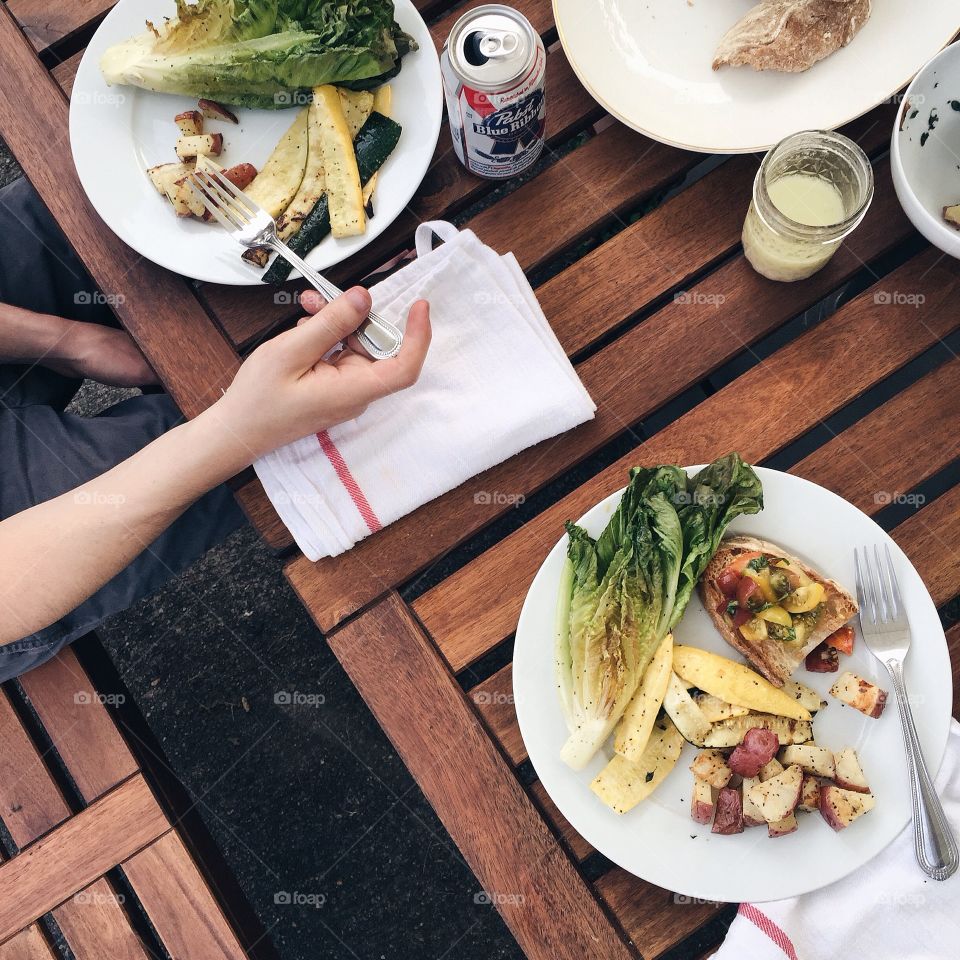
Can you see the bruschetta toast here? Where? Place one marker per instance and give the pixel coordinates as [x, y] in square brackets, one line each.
[770, 606]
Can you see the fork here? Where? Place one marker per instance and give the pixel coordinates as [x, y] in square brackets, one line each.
[886, 632]
[251, 226]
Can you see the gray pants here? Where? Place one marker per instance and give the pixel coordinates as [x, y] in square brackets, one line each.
[45, 451]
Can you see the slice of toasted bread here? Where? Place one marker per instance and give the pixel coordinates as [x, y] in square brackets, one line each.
[775, 659]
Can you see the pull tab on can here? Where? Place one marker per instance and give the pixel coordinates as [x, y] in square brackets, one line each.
[493, 66]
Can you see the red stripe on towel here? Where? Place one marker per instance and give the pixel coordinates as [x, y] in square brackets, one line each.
[349, 484]
[771, 929]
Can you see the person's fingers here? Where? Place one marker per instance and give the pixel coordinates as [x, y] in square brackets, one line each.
[312, 301]
[303, 346]
[347, 359]
[403, 370]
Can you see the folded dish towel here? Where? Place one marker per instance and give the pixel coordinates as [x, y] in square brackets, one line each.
[496, 381]
[887, 910]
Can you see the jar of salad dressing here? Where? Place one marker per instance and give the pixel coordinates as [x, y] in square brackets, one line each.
[812, 189]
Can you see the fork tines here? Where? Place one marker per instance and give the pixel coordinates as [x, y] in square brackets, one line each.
[877, 588]
[229, 205]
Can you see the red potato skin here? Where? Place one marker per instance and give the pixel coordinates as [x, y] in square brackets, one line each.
[701, 812]
[729, 815]
[241, 175]
[755, 751]
[823, 659]
[217, 147]
[194, 116]
[217, 111]
[841, 640]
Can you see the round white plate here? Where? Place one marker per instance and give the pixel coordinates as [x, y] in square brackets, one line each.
[657, 840]
[649, 64]
[116, 133]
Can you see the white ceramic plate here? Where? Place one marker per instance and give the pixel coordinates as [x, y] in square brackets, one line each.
[116, 133]
[649, 64]
[657, 840]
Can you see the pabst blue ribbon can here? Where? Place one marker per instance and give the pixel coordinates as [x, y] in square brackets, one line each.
[493, 66]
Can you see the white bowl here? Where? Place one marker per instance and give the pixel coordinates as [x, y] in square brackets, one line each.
[925, 161]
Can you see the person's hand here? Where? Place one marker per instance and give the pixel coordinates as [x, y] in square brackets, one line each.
[94, 352]
[285, 390]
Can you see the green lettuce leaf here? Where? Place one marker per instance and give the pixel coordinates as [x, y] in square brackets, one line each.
[261, 53]
[621, 594]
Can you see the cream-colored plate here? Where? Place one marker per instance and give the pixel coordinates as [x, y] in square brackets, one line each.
[649, 63]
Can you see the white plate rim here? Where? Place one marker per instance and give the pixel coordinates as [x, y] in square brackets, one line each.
[88, 79]
[764, 890]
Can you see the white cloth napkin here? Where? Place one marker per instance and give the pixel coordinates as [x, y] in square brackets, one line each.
[496, 381]
[887, 910]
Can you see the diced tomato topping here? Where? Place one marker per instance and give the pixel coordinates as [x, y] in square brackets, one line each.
[748, 593]
[841, 640]
[742, 616]
[740, 564]
[823, 659]
[727, 583]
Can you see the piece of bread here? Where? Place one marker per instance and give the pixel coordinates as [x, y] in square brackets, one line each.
[791, 35]
[775, 659]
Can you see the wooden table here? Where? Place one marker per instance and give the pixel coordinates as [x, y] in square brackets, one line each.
[634, 249]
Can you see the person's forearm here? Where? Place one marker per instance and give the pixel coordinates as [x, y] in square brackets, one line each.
[26, 337]
[56, 554]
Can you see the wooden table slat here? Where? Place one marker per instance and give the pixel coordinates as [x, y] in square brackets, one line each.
[178, 901]
[158, 309]
[30, 801]
[79, 725]
[930, 538]
[46, 23]
[655, 918]
[727, 311]
[95, 926]
[78, 852]
[29, 944]
[856, 466]
[543, 899]
[578, 846]
[476, 607]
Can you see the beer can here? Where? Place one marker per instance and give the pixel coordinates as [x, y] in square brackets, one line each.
[493, 66]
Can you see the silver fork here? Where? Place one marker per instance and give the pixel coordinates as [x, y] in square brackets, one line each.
[251, 226]
[886, 631]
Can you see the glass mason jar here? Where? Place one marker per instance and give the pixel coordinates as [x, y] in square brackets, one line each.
[782, 248]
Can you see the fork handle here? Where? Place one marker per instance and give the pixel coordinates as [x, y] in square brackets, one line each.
[380, 338]
[934, 841]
